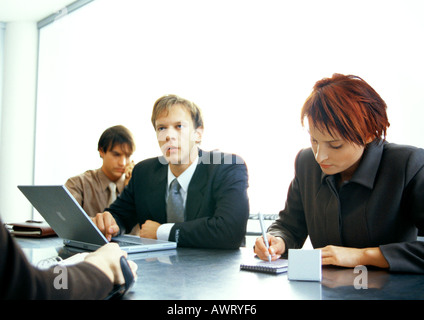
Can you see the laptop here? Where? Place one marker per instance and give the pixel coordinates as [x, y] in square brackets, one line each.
[71, 223]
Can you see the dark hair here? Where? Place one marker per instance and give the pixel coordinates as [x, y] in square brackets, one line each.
[166, 102]
[347, 105]
[116, 135]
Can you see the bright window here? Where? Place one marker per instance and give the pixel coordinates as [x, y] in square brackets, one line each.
[248, 64]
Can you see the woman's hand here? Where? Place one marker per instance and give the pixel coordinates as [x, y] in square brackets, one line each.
[352, 257]
[276, 247]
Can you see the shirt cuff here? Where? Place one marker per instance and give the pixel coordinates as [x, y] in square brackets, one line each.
[163, 231]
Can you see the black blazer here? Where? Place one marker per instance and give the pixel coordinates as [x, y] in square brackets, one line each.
[381, 206]
[217, 206]
[20, 280]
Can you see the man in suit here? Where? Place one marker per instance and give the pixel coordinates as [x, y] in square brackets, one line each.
[208, 207]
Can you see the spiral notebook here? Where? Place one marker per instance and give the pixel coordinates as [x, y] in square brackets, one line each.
[275, 267]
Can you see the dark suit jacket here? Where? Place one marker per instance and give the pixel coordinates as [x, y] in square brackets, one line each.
[20, 280]
[217, 206]
[381, 206]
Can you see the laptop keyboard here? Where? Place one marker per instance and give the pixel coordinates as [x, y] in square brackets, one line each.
[125, 243]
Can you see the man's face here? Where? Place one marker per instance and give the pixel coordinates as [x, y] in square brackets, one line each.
[115, 161]
[177, 137]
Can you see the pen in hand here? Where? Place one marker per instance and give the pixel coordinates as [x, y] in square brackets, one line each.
[261, 221]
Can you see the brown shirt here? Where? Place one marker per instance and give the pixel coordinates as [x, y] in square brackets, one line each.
[91, 190]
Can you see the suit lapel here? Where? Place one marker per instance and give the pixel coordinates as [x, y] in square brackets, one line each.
[332, 219]
[156, 201]
[156, 197]
[196, 190]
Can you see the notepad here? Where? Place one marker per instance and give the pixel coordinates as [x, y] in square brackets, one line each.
[275, 267]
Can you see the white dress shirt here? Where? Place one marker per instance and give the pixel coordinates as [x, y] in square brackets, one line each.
[184, 180]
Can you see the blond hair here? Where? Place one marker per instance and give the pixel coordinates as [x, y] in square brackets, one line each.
[166, 102]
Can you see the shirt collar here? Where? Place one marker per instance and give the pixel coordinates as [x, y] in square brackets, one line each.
[104, 181]
[185, 178]
[367, 170]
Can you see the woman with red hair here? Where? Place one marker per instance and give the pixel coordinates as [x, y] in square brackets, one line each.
[359, 198]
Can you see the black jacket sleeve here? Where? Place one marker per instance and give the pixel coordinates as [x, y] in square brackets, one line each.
[20, 280]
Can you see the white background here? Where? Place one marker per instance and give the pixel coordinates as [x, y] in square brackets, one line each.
[248, 64]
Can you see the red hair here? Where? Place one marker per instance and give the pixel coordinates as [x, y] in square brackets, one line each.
[348, 106]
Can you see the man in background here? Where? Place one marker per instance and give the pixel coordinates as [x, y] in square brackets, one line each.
[96, 189]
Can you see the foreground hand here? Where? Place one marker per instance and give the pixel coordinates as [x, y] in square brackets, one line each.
[149, 229]
[106, 224]
[107, 259]
[352, 257]
[276, 247]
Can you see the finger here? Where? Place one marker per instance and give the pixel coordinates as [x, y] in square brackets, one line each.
[259, 244]
[111, 228]
[260, 249]
[107, 224]
[327, 261]
[273, 255]
[114, 229]
[133, 267]
[277, 246]
[326, 252]
[269, 251]
[327, 256]
[98, 220]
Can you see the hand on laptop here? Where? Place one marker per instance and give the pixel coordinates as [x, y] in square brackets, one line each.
[106, 224]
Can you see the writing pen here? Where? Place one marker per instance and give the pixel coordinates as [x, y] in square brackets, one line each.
[261, 221]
